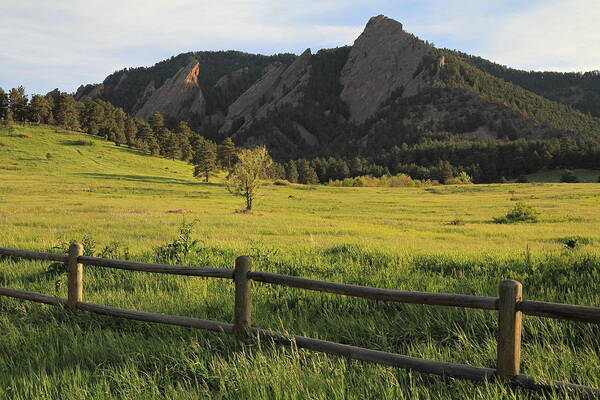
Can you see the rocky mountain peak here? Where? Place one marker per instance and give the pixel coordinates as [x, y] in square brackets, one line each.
[381, 20]
[383, 59]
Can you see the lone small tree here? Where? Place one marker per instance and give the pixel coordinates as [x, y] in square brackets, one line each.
[245, 178]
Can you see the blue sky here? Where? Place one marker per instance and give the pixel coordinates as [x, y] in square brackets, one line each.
[63, 43]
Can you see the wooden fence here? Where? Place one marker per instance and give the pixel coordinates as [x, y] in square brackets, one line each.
[509, 305]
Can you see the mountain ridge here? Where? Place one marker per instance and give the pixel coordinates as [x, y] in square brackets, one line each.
[389, 86]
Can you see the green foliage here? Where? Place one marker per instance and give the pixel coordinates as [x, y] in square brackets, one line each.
[245, 179]
[227, 154]
[458, 74]
[519, 213]
[205, 159]
[574, 242]
[568, 177]
[580, 90]
[180, 249]
[379, 237]
[18, 103]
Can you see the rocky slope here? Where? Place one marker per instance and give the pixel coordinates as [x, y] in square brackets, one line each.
[179, 98]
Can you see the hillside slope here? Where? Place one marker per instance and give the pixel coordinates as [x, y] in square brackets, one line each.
[579, 90]
[74, 157]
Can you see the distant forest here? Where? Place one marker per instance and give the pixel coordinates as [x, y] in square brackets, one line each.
[427, 156]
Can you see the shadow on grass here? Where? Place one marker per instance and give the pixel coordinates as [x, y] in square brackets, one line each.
[81, 142]
[146, 179]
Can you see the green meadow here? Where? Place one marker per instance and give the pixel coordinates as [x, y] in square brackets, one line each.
[57, 186]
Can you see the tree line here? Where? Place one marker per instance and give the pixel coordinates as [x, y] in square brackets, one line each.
[430, 157]
[101, 118]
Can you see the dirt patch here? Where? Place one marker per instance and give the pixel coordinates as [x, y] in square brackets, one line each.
[180, 211]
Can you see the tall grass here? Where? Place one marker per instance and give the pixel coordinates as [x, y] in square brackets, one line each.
[385, 237]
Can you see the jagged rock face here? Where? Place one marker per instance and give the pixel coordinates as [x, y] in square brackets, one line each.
[148, 92]
[280, 85]
[383, 59]
[179, 98]
[231, 77]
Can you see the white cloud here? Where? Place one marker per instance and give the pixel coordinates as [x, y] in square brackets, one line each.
[94, 38]
[556, 35]
[49, 43]
[559, 35]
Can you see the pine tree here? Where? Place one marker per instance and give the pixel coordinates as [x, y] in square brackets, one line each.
[40, 109]
[171, 146]
[227, 154]
[130, 131]
[17, 102]
[92, 116]
[291, 172]
[183, 134]
[3, 103]
[119, 118]
[146, 140]
[205, 159]
[67, 114]
[306, 173]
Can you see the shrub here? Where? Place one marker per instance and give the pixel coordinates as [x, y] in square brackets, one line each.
[114, 250]
[461, 179]
[568, 177]
[456, 222]
[400, 180]
[183, 246]
[281, 182]
[573, 242]
[519, 213]
[89, 247]
[48, 156]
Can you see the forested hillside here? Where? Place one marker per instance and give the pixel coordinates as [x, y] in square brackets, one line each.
[580, 90]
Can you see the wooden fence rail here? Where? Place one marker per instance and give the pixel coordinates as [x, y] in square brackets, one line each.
[509, 305]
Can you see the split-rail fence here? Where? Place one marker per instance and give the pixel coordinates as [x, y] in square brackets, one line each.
[509, 304]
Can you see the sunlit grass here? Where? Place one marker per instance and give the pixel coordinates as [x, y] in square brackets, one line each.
[384, 237]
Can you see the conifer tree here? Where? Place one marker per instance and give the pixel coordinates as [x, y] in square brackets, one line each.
[227, 154]
[3, 103]
[291, 172]
[67, 114]
[146, 140]
[119, 118]
[205, 159]
[40, 109]
[171, 146]
[17, 102]
[130, 131]
[183, 133]
[306, 173]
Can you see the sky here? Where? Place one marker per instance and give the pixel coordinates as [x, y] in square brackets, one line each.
[47, 44]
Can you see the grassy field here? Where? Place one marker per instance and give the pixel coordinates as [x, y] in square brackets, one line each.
[56, 188]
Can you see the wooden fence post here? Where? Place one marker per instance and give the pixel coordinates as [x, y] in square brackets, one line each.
[242, 316]
[75, 277]
[509, 330]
